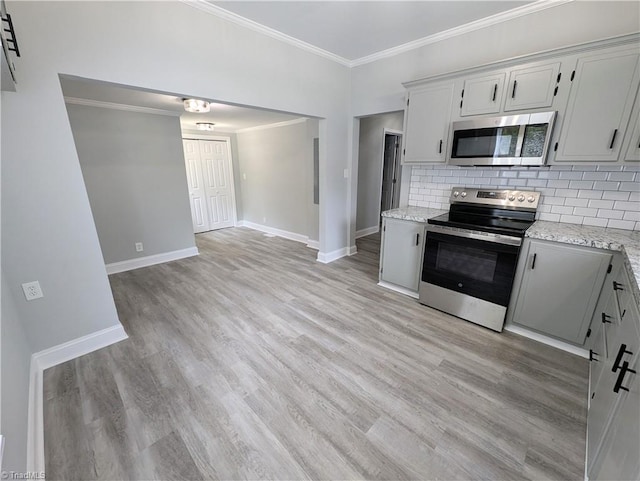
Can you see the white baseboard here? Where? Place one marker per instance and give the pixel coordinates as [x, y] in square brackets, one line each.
[48, 358]
[278, 232]
[353, 250]
[549, 341]
[147, 261]
[313, 244]
[367, 231]
[327, 257]
[401, 290]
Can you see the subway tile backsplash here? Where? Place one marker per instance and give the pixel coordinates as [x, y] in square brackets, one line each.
[602, 195]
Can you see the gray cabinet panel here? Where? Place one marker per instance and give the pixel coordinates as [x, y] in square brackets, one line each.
[426, 123]
[613, 425]
[482, 95]
[559, 289]
[600, 103]
[531, 87]
[401, 256]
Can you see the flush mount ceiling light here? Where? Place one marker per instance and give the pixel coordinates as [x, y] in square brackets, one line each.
[196, 105]
[205, 126]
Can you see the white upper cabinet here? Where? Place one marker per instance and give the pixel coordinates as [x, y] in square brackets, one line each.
[631, 146]
[482, 95]
[532, 87]
[602, 94]
[591, 87]
[426, 123]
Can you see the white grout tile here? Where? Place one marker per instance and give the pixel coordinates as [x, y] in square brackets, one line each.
[610, 214]
[585, 211]
[595, 176]
[622, 176]
[601, 204]
[621, 224]
[581, 184]
[571, 219]
[595, 221]
[579, 202]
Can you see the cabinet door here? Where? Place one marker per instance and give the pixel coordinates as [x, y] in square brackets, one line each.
[602, 94]
[482, 95]
[427, 124]
[532, 87]
[631, 147]
[560, 287]
[605, 349]
[402, 247]
[619, 458]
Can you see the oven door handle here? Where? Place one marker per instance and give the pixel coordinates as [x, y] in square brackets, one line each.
[477, 235]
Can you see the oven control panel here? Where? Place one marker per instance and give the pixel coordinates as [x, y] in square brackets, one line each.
[520, 199]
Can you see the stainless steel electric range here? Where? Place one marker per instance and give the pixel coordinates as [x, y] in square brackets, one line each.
[471, 253]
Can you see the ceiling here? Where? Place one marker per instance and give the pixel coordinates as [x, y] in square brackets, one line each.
[347, 31]
[228, 118]
[354, 30]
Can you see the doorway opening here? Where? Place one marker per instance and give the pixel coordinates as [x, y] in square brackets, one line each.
[379, 169]
[391, 170]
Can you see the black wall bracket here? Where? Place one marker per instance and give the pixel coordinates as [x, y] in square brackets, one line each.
[11, 35]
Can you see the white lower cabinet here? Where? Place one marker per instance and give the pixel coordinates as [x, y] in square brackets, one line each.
[558, 288]
[613, 421]
[401, 253]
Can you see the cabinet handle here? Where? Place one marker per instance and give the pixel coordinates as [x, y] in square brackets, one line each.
[533, 262]
[495, 92]
[623, 371]
[605, 318]
[621, 352]
[417, 239]
[617, 286]
[440, 147]
[592, 356]
[513, 92]
[613, 138]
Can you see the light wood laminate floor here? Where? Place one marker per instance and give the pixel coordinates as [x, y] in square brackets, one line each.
[254, 361]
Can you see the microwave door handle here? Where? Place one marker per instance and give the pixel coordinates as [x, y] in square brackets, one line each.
[520, 141]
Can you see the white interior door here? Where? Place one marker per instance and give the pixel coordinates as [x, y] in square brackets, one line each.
[217, 183]
[195, 181]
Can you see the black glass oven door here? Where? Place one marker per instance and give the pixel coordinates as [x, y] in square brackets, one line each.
[478, 268]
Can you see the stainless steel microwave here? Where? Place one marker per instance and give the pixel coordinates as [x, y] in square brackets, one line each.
[509, 140]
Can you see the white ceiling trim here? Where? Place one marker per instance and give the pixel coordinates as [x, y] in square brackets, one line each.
[257, 27]
[272, 126]
[115, 106]
[517, 12]
[462, 29]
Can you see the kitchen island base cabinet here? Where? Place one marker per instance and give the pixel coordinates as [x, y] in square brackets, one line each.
[559, 286]
[401, 254]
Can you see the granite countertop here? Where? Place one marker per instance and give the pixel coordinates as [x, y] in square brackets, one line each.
[625, 241]
[416, 214]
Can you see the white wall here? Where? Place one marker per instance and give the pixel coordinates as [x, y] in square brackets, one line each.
[134, 172]
[276, 168]
[15, 359]
[48, 232]
[370, 156]
[377, 86]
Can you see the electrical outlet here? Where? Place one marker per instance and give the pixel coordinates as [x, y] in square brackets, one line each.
[32, 290]
[139, 247]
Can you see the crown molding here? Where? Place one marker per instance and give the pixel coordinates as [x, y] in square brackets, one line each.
[205, 6]
[462, 30]
[272, 126]
[514, 13]
[115, 106]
